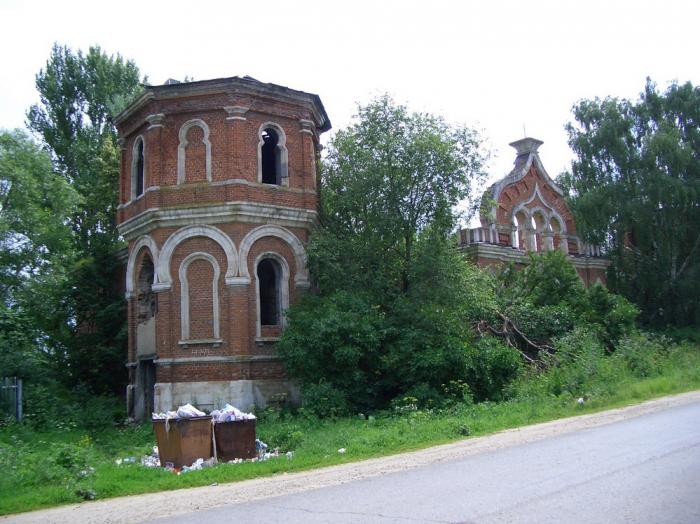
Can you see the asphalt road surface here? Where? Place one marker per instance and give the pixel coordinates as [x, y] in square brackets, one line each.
[645, 469]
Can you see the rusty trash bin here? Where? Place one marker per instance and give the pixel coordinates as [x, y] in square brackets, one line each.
[235, 440]
[182, 441]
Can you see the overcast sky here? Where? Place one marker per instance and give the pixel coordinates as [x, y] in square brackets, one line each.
[496, 65]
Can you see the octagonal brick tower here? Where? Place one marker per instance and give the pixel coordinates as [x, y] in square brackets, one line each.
[218, 193]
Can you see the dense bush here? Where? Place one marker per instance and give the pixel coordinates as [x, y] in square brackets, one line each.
[491, 366]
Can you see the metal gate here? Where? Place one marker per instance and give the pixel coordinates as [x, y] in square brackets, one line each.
[11, 397]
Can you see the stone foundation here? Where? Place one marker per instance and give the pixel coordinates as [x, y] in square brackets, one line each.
[244, 394]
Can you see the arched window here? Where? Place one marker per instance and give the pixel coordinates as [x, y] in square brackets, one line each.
[194, 152]
[137, 168]
[268, 273]
[272, 155]
[539, 223]
[146, 297]
[199, 299]
[520, 221]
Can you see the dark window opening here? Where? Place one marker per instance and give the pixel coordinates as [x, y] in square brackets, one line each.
[269, 293]
[147, 305]
[270, 157]
[139, 169]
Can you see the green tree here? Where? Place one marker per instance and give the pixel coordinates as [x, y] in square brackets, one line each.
[34, 245]
[635, 187]
[393, 294]
[77, 92]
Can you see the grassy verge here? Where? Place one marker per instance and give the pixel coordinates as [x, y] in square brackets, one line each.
[47, 468]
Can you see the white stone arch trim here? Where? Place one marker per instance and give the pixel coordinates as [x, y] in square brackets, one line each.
[183, 144]
[147, 242]
[301, 278]
[134, 162]
[283, 288]
[185, 294]
[218, 236]
[281, 145]
[546, 216]
[562, 223]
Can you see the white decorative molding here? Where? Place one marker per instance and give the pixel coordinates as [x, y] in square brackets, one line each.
[218, 236]
[155, 121]
[236, 112]
[150, 244]
[282, 289]
[134, 166]
[247, 212]
[244, 359]
[307, 127]
[181, 148]
[283, 154]
[127, 204]
[301, 278]
[185, 298]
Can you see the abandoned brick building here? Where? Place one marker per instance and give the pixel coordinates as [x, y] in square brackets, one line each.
[526, 212]
[217, 198]
[218, 195]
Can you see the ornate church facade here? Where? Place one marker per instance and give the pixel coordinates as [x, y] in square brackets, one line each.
[526, 212]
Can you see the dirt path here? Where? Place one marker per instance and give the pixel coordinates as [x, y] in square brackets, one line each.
[140, 508]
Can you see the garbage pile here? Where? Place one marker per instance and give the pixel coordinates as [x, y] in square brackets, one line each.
[186, 411]
[219, 418]
[230, 414]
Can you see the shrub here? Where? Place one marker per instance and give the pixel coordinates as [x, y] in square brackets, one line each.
[615, 314]
[491, 366]
[642, 354]
[323, 400]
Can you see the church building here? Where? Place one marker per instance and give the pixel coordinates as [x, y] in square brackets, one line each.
[526, 212]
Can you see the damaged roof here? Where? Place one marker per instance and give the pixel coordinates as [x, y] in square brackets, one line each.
[246, 84]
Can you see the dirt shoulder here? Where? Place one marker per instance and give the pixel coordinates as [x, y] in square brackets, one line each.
[140, 508]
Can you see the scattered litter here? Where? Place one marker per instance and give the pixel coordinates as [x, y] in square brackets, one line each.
[129, 460]
[86, 494]
[230, 414]
[580, 401]
[260, 446]
[118, 462]
[152, 460]
[194, 467]
[290, 455]
[342, 451]
[86, 472]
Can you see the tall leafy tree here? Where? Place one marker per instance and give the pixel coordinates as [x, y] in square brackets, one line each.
[34, 246]
[393, 294]
[390, 181]
[77, 92]
[635, 186]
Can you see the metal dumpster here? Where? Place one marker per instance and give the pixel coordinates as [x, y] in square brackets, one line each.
[184, 440]
[235, 440]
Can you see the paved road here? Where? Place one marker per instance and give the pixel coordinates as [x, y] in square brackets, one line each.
[646, 469]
